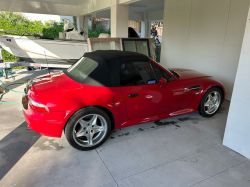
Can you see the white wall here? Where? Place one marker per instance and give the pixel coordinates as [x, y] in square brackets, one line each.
[136, 16]
[155, 15]
[205, 35]
[237, 133]
[103, 14]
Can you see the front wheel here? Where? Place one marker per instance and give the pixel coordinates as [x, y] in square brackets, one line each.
[211, 102]
[88, 128]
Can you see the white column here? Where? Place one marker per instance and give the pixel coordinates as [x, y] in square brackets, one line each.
[79, 23]
[85, 23]
[237, 133]
[119, 21]
[143, 29]
[148, 33]
[144, 26]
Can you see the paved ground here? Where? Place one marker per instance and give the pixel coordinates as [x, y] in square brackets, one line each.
[180, 151]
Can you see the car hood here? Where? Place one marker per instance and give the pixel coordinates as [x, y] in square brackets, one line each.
[57, 82]
[185, 74]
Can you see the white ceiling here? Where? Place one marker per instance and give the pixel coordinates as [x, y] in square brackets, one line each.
[75, 7]
[62, 2]
[139, 6]
[146, 6]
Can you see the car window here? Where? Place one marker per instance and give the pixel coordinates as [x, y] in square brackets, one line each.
[82, 68]
[136, 73]
[168, 77]
[158, 71]
[161, 73]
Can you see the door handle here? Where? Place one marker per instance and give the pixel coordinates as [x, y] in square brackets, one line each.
[134, 95]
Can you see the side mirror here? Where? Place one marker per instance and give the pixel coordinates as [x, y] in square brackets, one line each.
[163, 83]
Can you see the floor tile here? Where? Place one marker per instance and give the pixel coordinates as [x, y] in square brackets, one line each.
[213, 126]
[112, 184]
[52, 162]
[173, 174]
[152, 148]
[238, 176]
[214, 160]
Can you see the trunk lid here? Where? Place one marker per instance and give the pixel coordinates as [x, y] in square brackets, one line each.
[57, 82]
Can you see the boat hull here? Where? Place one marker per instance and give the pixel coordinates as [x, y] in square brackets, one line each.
[44, 50]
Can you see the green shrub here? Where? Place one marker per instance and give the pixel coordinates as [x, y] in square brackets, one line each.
[51, 29]
[9, 57]
[94, 33]
[18, 22]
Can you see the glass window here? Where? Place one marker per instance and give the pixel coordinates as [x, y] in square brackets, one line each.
[82, 68]
[136, 45]
[158, 71]
[142, 47]
[161, 73]
[136, 73]
[130, 46]
[168, 77]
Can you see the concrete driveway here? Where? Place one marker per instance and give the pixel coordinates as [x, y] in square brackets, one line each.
[181, 151]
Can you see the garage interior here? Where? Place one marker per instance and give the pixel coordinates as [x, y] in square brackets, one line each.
[210, 36]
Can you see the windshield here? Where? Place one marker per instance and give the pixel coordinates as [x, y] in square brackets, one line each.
[82, 68]
[170, 71]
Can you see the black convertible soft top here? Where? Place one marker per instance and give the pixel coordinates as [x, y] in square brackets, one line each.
[107, 72]
[106, 56]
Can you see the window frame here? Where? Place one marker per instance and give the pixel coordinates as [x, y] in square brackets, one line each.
[163, 69]
[131, 61]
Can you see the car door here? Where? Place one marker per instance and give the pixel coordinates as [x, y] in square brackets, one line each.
[142, 93]
[172, 93]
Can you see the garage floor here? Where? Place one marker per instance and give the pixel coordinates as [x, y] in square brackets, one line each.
[180, 151]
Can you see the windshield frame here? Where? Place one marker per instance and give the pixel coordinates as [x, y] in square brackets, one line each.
[168, 71]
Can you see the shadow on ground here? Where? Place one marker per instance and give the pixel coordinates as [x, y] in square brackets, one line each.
[14, 146]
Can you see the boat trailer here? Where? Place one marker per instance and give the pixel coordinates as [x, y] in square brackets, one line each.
[6, 67]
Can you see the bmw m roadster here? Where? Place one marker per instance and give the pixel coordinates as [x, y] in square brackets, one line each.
[106, 90]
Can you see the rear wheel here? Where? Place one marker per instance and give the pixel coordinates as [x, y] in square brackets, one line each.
[88, 128]
[210, 102]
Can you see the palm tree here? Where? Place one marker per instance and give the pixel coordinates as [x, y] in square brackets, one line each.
[14, 18]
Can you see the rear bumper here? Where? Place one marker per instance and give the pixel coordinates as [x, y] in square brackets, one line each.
[49, 124]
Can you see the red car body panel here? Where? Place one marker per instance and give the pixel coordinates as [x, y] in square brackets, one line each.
[64, 96]
[152, 99]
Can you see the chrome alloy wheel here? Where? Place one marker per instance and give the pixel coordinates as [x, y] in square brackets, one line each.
[212, 102]
[89, 130]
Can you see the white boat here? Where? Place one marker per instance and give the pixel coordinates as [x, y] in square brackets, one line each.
[41, 51]
[64, 51]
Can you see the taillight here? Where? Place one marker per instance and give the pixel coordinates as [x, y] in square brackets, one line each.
[38, 106]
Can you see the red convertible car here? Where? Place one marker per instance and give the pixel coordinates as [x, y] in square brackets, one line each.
[107, 90]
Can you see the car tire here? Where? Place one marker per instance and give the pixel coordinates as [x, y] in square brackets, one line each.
[88, 128]
[211, 102]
